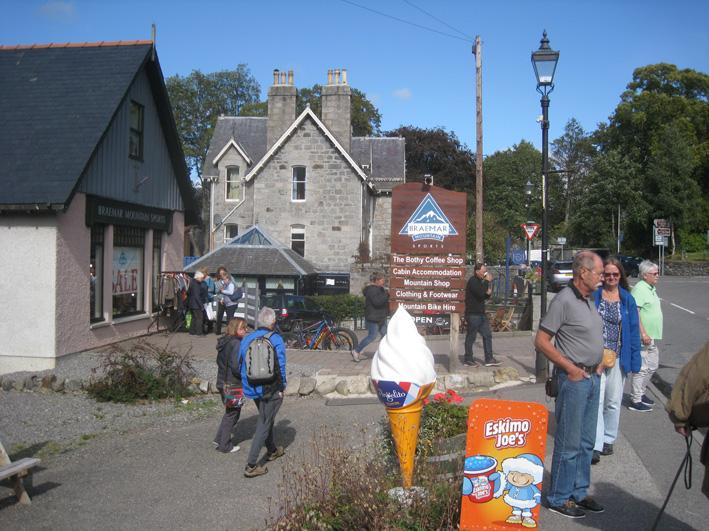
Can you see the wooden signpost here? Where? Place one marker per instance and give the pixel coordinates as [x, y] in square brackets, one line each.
[427, 277]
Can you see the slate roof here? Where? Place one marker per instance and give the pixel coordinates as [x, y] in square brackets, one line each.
[384, 155]
[248, 131]
[56, 103]
[267, 258]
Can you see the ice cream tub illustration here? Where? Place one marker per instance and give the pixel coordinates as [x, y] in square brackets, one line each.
[479, 478]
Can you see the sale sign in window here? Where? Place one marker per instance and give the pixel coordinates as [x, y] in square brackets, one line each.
[504, 465]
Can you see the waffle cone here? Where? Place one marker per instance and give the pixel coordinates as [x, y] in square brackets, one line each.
[404, 423]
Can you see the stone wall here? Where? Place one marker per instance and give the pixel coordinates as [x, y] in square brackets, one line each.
[686, 269]
[381, 228]
[243, 215]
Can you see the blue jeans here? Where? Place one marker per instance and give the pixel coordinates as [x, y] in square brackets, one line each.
[478, 322]
[576, 412]
[372, 330]
[610, 398]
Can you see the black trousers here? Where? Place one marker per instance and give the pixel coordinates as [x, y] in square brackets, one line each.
[221, 309]
[197, 322]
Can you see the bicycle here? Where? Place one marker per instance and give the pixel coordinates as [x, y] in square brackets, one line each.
[320, 335]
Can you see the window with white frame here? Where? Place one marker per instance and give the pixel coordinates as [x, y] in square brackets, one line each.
[298, 190]
[231, 230]
[297, 239]
[233, 185]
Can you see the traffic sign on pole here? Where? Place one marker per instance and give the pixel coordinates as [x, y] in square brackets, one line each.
[530, 230]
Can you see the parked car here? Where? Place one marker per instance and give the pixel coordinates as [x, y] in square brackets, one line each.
[290, 307]
[630, 264]
[559, 274]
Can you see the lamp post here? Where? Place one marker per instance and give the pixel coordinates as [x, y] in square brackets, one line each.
[544, 61]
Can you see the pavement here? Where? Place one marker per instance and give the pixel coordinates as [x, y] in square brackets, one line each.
[159, 478]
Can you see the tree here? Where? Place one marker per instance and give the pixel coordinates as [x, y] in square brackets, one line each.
[199, 99]
[439, 153]
[366, 119]
[662, 126]
[572, 152]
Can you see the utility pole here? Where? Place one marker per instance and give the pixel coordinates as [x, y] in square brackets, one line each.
[477, 51]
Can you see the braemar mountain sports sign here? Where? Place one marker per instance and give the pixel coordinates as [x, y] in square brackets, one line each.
[427, 220]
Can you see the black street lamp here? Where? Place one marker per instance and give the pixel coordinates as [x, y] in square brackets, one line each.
[544, 61]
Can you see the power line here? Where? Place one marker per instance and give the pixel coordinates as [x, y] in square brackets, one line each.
[406, 21]
[437, 19]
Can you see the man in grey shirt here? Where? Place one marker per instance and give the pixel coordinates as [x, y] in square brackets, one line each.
[577, 329]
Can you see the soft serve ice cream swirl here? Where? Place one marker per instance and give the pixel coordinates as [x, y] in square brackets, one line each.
[403, 363]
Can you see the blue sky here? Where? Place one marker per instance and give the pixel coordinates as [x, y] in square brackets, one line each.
[414, 76]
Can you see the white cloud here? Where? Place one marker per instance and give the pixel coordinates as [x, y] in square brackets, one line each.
[57, 9]
[403, 93]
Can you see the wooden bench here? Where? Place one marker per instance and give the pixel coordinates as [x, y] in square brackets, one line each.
[16, 471]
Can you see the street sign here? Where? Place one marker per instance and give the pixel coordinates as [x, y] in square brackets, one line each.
[561, 240]
[530, 230]
[663, 227]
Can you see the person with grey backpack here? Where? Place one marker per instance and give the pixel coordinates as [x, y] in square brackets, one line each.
[262, 361]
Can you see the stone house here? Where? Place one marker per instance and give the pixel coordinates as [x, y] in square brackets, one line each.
[305, 178]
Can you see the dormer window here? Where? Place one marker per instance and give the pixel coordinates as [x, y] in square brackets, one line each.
[135, 137]
[233, 188]
[298, 189]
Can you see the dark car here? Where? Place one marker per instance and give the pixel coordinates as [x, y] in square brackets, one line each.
[291, 307]
[559, 274]
[630, 264]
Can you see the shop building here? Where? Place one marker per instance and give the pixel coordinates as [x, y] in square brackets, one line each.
[94, 197]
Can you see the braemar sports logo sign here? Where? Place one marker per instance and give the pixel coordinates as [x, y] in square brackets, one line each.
[428, 222]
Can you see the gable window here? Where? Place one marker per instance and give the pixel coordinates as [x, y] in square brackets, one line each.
[297, 239]
[298, 190]
[231, 230]
[233, 190]
[135, 138]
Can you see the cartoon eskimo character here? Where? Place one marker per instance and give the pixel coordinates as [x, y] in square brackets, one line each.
[518, 479]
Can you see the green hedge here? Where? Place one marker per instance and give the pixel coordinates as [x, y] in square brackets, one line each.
[341, 307]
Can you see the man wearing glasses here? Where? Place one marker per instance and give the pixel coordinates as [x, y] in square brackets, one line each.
[645, 294]
[577, 329]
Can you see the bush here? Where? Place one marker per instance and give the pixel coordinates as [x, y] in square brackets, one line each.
[692, 242]
[142, 371]
[336, 487]
[342, 306]
[443, 417]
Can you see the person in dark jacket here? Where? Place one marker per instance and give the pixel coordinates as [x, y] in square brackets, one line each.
[196, 299]
[229, 373]
[267, 397]
[376, 311]
[477, 291]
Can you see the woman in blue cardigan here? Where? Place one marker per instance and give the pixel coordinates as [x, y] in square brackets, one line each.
[621, 333]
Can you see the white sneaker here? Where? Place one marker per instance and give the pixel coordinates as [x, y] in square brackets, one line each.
[235, 449]
[355, 356]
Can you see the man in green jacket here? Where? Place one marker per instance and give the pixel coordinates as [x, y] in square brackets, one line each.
[645, 294]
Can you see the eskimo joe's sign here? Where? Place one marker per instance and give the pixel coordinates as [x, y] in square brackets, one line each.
[427, 220]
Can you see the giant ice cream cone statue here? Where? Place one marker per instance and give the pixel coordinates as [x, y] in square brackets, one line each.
[403, 373]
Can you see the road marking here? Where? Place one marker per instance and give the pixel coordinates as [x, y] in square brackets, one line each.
[685, 309]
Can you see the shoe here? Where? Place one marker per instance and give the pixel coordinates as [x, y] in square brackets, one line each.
[569, 510]
[528, 522]
[514, 519]
[216, 444]
[607, 449]
[280, 452]
[647, 400]
[492, 362]
[355, 356]
[596, 457]
[590, 504]
[255, 471]
[639, 406]
[471, 363]
[235, 449]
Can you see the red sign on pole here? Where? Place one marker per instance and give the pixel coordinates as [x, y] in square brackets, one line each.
[530, 230]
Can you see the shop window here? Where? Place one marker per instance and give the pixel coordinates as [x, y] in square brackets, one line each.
[231, 230]
[96, 273]
[128, 264]
[135, 137]
[298, 191]
[297, 239]
[287, 283]
[233, 186]
[157, 268]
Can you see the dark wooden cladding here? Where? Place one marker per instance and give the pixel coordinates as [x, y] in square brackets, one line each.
[406, 198]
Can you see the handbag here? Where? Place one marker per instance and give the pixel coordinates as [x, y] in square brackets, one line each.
[551, 386]
[609, 358]
[233, 393]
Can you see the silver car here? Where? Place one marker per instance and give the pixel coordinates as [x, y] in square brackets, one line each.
[560, 274]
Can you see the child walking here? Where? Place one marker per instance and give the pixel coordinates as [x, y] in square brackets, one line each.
[229, 383]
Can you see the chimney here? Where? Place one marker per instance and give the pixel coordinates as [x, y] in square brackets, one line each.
[281, 106]
[336, 112]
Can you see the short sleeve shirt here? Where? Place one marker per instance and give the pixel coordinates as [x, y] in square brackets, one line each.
[648, 303]
[576, 326]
